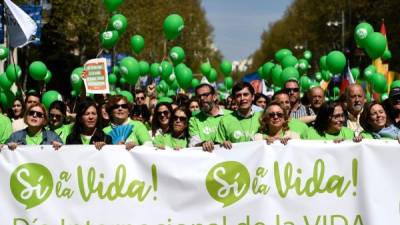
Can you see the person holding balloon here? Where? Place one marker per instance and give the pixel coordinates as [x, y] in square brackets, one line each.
[123, 130]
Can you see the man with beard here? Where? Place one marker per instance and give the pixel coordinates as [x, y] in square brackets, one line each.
[242, 124]
[203, 126]
[355, 99]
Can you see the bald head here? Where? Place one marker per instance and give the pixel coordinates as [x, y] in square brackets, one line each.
[355, 98]
[316, 97]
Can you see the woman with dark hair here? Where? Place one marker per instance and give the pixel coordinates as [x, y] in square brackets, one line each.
[329, 124]
[57, 119]
[375, 122]
[160, 123]
[260, 100]
[87, 128]
[177, 137]
[123, 130]
[194, 106]
[35, 134]
[141, 113]
[274, 125]
[17, 115]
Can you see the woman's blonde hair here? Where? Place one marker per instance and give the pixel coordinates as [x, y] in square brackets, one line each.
[40, 106]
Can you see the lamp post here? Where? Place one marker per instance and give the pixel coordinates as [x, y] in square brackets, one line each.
[336, 23]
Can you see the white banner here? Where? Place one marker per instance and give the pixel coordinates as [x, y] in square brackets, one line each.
[305, 182]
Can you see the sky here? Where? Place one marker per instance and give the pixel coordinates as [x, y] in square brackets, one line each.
[238, 24]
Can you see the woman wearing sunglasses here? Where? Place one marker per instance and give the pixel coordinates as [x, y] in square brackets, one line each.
[274, 125]
[35, 134]
[123, 130]
[160, 123]
[329, 124]
[87, 128]
[57, 119]
[177, 137]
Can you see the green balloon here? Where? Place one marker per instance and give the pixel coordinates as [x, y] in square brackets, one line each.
[166, 70]
[6, 99]
[336, 93]
[122, 81]
[119, 23]
[137, 43]
[3, 52]
[326, 75]
[115, 70]
[184, 76]
[322, 63]
[195, 83]
[355, 72]
[144, 68]
[13, 72]
[395, 84]
[302, 65]
[173, 26]
[130, 69]
[76, 79]
[260, 72]
[318, 76]
[74, 93]
[335, 62]
[112, 79]
[379, 83]
[226, 67]
[49, 97]
[266, 70]
[205, 68]
[212, 77]
[37, 70]
[276, 89]
[368, 96]
[155, 70]
[307, 55]
[177, 55]
[109, 38]
[375, 45]
[228, 82]
[387, 55]
[289, 61]
[112, 5]
[289, 73]
[173, 87]
[368, 72]
[282, 53]
[361, 32]
[384, 96]
[163, 86]
[5, 84]
[305, 83]
[128, 95]
[117, 90]
[276, 75]
[48, 77]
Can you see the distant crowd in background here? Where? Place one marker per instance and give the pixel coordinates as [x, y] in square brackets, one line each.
[201, 119]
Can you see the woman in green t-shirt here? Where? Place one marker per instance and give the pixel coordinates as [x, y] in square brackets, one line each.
[329, 124]
[57, 115]
[274, 125]
[177, 137]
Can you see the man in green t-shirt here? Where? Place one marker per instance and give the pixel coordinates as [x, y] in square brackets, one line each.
[243, 124]
[203, 126]
[5, 129]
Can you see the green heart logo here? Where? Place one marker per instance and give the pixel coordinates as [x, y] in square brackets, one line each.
[31, 184]
[228, 182]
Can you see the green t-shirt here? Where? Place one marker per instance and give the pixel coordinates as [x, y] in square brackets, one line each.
[35, 139]
[166, 140]
[235, 128]
[139, 134]
[85, 139]
[312, 134]
[64, 131]
[297, 126]
[5, 129]
[205, 126]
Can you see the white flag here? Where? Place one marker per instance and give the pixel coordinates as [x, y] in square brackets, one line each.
[20, 26]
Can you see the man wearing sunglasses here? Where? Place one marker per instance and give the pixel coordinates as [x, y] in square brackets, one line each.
[243, 124]
[203, 126]
[297, 110]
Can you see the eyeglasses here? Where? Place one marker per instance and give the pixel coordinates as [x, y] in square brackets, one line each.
[337, 116]
[289, 90]
[273, 114]
[36, 114]
[123, 106]
[162, 113]
[180, 118]
[57, 116]
[204, 95]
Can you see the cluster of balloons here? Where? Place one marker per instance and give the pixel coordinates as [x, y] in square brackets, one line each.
[374, 43]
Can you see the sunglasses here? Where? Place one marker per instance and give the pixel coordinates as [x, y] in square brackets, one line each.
[204, 95]
[123, 106]
[36, 114]
[161, 113]
[289, 90]
[58, 117]
[273, 114]
[180, 118]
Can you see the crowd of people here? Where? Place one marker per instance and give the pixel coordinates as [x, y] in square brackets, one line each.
[202, 119]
